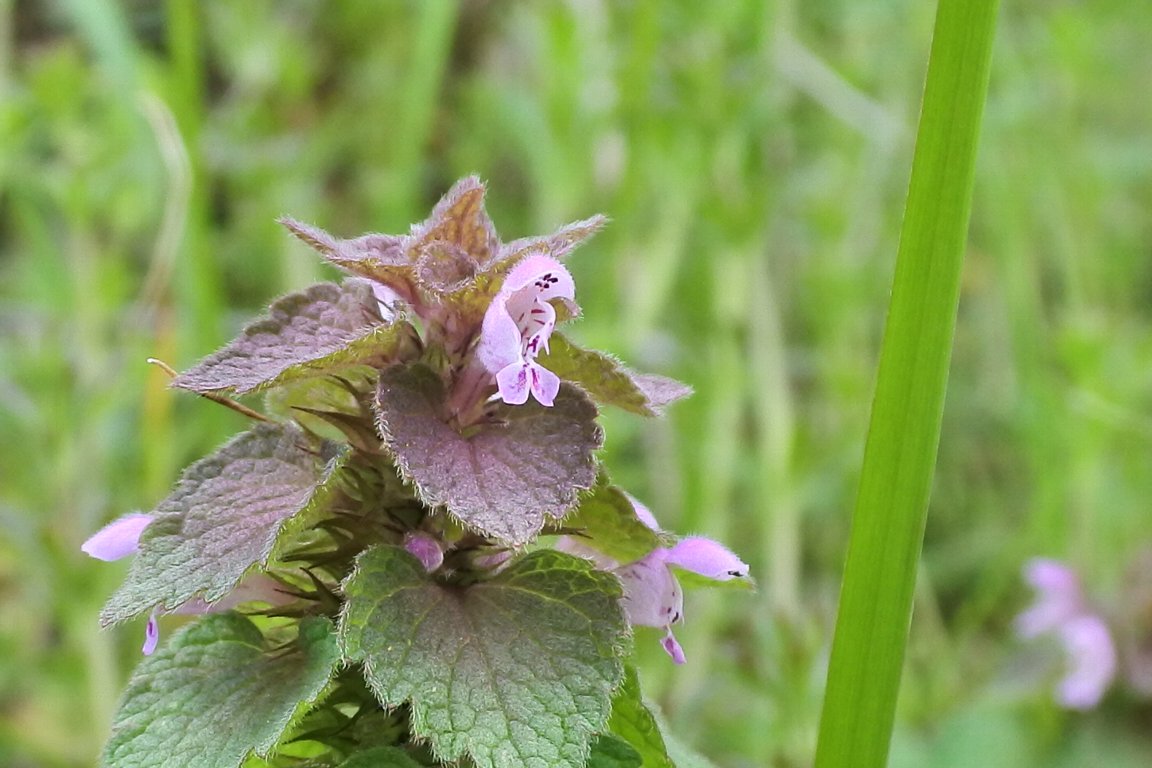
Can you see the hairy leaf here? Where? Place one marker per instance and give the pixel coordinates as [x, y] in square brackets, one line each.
[216, 693]
[459, 219]
[323, 330]
[502, 479]
[514, 671]
[607, 522]
[608, 381]
[556, 245]
[223, 517]
[632, 722]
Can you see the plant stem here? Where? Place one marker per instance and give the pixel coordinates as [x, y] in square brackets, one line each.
[900, 456]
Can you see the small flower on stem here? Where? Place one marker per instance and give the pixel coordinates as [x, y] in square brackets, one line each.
[652, 594]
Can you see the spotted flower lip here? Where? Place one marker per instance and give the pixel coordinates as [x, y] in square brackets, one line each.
[1061, 610]
[652, 594]
[121, 538]
[517, 326]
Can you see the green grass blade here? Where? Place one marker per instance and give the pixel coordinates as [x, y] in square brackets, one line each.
[891, 505]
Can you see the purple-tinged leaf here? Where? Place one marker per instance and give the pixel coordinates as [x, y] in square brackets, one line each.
[516, 670]
[325, 329]
[557, 245]
[217, 693]
[608, 381]
[461, 220]
[381, 258]
[501, 480]
[223, 518]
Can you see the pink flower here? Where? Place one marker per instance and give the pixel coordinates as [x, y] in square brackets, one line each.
[517, 327]
[652, 595]
[1061, 610]
[121, 538]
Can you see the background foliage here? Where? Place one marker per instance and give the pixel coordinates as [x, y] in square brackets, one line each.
[753, 157]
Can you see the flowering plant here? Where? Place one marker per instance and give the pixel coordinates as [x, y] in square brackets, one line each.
[417, 559]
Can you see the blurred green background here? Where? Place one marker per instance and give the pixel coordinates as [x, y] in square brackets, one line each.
[753, 157]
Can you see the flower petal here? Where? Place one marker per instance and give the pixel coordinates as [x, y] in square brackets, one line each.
[426, 549]
[1058, 597]
[151, 635]
[548, 278]
[118, 539]
[708, 558]
[512, 384]
[643, 513]
[652, 596]
[387, 298]
[545, 384]
[500, 342]
[672, 647]
[1092, 662]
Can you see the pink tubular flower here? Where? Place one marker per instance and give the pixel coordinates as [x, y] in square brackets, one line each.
[517, 327]
[652, 595]
[121, 538]
[1061, 610]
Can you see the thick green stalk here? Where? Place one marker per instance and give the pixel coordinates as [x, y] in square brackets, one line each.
[899, 459]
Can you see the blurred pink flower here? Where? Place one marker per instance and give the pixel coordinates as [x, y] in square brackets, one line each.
[1061, 610]
[121, 538]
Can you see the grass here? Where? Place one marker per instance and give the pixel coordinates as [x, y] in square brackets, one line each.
[753, 157]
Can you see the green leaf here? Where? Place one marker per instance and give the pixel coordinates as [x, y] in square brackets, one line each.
[501, 479]
[218, 692]
[610, 751]
[608, 523]
[517, 670]
[323, 330]
[223, 518]
[380, 757]
[608, 381]
[632, 722]
[903, 437]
